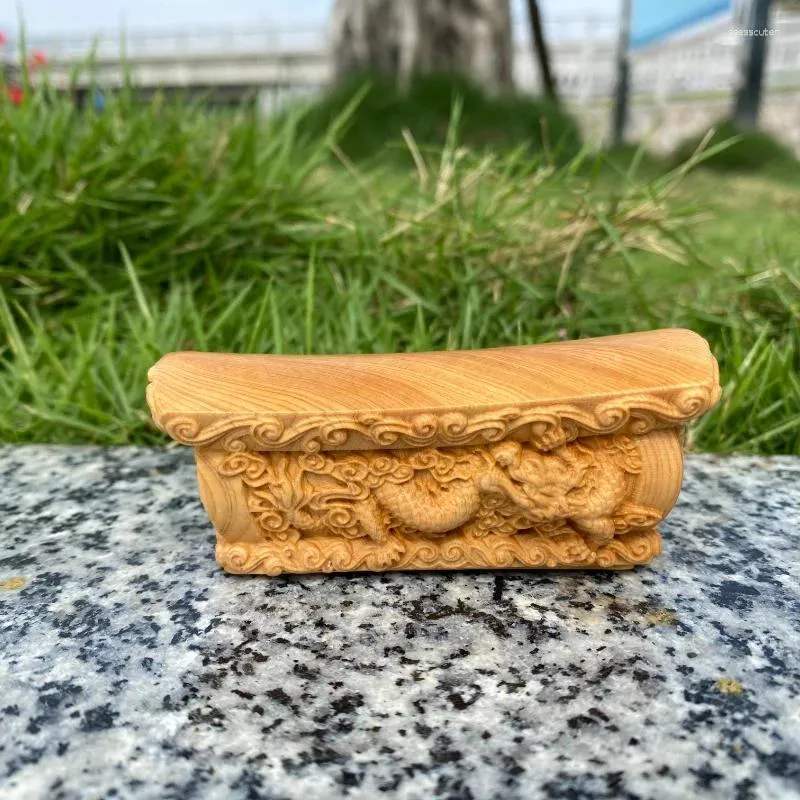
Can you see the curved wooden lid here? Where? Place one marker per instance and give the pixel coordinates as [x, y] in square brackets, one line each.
[190, 392]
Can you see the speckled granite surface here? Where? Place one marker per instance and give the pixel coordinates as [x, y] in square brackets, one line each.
[133, 667]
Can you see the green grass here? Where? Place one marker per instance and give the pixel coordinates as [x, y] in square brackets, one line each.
[153, 228]
[748, 151]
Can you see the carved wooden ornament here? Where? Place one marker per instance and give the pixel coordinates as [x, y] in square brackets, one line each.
[556, 455]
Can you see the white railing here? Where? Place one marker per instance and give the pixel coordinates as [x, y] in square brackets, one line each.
[265, 39]
[582, 51]
[184, 44]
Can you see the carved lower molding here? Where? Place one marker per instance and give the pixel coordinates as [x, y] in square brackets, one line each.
[417, 552]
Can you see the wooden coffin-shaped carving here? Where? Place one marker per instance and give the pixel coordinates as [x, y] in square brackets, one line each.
[556, 455]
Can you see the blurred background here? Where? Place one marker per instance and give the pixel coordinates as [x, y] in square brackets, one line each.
[373, 175]
[685, 56]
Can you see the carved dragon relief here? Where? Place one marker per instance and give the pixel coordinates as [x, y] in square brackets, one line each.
[503, 504]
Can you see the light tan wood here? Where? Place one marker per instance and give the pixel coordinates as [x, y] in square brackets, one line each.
[557, 455]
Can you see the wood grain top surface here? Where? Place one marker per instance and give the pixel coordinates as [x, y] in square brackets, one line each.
[655, 362]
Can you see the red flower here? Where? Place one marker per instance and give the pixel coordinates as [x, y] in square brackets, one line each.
[16, 95]
[37, 58]
[3, 38]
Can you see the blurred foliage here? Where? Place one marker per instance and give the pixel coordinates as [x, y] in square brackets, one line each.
[424, 110]
[747, 151]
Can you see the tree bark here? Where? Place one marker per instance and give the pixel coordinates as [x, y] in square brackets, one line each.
[541, 51]
[399, 38]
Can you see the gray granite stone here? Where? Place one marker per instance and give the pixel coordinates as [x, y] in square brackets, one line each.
[132, 666]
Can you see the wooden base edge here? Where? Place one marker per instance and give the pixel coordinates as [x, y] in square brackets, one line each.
[451, 552]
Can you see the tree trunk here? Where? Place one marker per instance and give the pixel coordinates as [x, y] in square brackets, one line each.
[541, 51]
[401, 37]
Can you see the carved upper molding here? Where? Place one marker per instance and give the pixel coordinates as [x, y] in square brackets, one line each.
[620, 384]
[545, 427]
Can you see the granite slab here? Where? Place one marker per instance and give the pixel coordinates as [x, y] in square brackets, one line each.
[132, 666]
